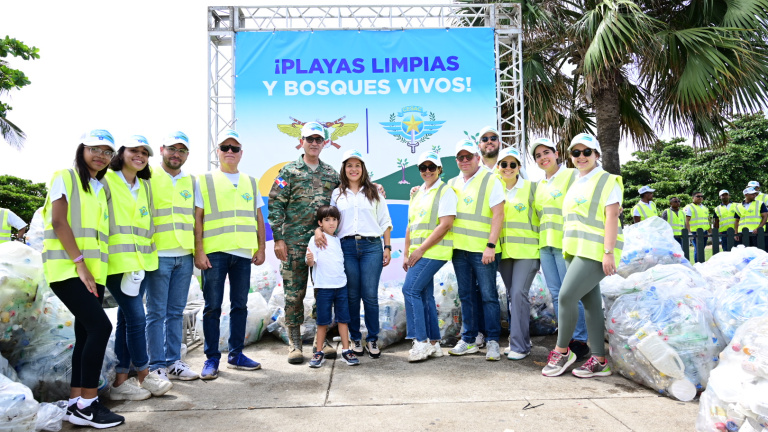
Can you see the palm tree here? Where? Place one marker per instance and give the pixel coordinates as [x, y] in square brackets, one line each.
[12, 79]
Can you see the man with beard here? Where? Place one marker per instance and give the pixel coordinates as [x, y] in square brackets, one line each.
[173, 193]
[489, 142]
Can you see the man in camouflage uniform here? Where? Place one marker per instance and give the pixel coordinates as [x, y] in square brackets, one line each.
[300, 188]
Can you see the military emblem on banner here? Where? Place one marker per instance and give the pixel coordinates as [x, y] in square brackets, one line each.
[333, 130]
[413, 129]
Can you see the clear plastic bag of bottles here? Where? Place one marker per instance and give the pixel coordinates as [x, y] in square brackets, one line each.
[35, 233]
[392, 324]
[660, 276]
[665, 339]
[276, 321]
[722, 269]
[746, 299]
[649, 243]
[448, 304]
[263, 280]
[18, 409]
[543, 320]
[21, 274]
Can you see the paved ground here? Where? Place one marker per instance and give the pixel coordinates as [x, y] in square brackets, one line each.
[445, 394]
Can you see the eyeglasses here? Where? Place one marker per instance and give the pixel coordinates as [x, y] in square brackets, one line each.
[503, 165]
[226, 148]
[492, 138]
[425, 167]
[174, 150]
[97, 151]
[318, 140]
[586, 152]
[465, 158]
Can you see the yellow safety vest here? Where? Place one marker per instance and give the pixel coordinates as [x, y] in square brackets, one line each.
[422, 220]
[676, 221]
[584, 214]
[88, 218]
[5, 227]
[473, 215]
[644, 211]
[699, 217]
[520, 233]
[762, 197]
[174, 214]
[230, 213]
[130, 226]
[549, 205]
[749, 218]
[726, 217]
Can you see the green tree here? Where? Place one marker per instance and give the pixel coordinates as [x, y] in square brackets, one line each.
[12, 79]
[21, 196]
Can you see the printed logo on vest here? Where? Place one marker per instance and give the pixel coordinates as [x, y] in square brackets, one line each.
[106, 215]
[247, 197]
[556, 193]
[185, 194]
[468, 200]
[422, 213]
[580, 200]
[520, 207]
[143, 211]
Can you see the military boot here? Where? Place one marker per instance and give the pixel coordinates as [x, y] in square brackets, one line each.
[327, 349]
[295, 355]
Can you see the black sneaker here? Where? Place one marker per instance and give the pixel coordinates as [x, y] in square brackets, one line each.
[357, 347]
[96, 415]
[373, 349]
[70, 410]
[350, 358]
[581, 349]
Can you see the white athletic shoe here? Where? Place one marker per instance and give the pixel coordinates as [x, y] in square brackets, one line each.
[420, 351]
[181, 371]
[129, 390]
[493, 351]
[156, 385]
[437, 351]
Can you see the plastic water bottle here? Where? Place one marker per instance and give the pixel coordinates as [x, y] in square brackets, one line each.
[662, 356]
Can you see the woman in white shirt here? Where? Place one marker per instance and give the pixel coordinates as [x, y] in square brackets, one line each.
[364, 220]
[592, 242]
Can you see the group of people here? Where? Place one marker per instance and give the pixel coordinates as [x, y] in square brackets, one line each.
[750, 214]
[114, 222]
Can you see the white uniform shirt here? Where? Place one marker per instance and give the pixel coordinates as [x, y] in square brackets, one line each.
[560, 170]
[448, 202]
[328, 271]
[14, 220]
[687, 210]
[200, 203]
[134, 188]
[360, 216]
[58, 189]
[176, 252]
[497, 190]
[616, 195]
[637, 211]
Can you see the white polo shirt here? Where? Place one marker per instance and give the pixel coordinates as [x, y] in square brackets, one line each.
[359, 216]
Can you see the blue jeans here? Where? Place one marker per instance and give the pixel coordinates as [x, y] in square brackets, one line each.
[239, 271]
[553, 267]
[332, 302]
[696, 248]
[470, 270]
[130, 332]
[167, 289]
[724, 241]
[419, 294]
[363, 262]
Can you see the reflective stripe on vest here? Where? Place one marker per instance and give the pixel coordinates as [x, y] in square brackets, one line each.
[131, 226]
[699, 217]
[676, 221]
[644, 211]
[230, 213]
[174, 211]
[520, 232]
[726, 217]
[89, 220]
[5, 227]
[549, 204]
[749, 218]
[584, 234]
[423, 219]
[472, 225]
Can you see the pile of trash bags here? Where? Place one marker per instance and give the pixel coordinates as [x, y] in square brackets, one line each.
[19, 411]
[746, 299]
[276, 312]
[34, 237]
[737, 396]
[661, 276]
[647, 244]
[722, 269]
[263, 280]
[21, 274]
[392, 326]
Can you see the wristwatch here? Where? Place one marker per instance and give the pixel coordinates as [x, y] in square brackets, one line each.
[388, 247]
[490, 245]
[608, 251]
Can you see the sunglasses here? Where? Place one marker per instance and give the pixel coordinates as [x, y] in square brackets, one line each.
[492, 138]
[97, 151]
[586, 152]
[465, 158]
[318, 140]
[425, 167]
[174, 150]
[226, 148]
[504, 164]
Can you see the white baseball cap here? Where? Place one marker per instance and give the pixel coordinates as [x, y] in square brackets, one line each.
[510, 151]
[313, 128]
[137, 141]
[227, 134]
[468, 146]
[97, 137]
[541, 141]
[177, 137]
[645, 189]
[722, 192]
[749, 190]
[431, 157]
[349, 154]
[487, 129]
[131, 283]
[753, 183]
[588, 140]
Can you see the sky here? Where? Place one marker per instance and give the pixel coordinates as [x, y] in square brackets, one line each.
[129, 67]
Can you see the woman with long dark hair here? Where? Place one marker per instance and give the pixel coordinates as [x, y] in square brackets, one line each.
[75, 257]
[132, 252]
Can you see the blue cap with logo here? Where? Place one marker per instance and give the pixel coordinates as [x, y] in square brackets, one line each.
[97, 137]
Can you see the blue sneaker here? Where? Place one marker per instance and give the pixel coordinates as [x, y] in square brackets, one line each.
[210, 369]
[240, 361]
[350, 358]
[317, 360]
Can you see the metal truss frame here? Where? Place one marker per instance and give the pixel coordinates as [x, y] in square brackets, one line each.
[504, 18]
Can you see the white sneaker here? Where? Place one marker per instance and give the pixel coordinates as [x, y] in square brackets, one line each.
[129, 390]
[514, 355]
[493, 351]
[420, 351]
[462, 348]
[161, 373]
[156, 385]
[181, 371]
[437, 351]
[480, 340]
